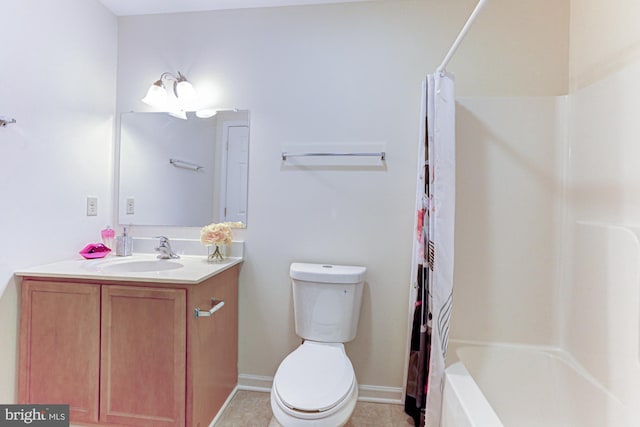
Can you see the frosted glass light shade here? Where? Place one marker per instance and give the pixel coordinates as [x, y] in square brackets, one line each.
[180, 114]
[156, 95]
[206, 113]
[186, 95]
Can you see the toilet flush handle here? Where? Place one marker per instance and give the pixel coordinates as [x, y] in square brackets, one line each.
[217, 305]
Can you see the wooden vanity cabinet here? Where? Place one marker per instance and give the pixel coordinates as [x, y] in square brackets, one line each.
[60, 346]
[129, 353]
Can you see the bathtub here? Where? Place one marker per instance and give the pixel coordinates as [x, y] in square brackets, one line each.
[517, 386]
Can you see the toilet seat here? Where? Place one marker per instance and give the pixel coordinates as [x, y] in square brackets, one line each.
[314, 378]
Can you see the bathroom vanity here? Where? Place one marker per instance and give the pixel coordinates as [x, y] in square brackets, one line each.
[120, 340]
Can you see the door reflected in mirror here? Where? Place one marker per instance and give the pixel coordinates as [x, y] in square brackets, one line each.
[188, 173]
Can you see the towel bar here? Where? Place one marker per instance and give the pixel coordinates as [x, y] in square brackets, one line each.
[217, 305]
[380, 154]
[185, 165]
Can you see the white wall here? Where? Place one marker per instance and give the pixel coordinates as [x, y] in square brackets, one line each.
[58, 82]
[340, 74]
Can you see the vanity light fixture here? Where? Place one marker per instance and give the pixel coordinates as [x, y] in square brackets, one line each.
[184, 95]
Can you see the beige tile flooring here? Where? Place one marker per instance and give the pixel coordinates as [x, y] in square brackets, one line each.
[252, 409]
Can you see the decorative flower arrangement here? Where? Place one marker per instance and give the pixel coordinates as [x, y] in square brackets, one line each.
[218, 234]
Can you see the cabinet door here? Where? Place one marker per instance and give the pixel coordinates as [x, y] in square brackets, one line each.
[143, 356]
[213, 347]
[59, 346]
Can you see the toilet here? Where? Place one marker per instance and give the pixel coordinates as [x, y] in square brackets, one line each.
[315, 385]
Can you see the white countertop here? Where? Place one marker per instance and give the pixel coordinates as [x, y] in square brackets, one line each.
[189, 269]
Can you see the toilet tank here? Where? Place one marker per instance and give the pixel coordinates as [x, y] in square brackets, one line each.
[327, 300]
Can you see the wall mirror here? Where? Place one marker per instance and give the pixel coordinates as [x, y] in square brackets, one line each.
[188, 173]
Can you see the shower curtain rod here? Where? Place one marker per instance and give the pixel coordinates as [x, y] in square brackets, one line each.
[442, 68]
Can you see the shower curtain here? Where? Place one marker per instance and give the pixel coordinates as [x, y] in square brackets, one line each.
[432, 270]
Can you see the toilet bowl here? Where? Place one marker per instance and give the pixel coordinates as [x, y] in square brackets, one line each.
[315, 385]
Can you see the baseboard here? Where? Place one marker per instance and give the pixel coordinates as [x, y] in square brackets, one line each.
[254, 383]
[224, 406]
[367, 393]
[380, 394]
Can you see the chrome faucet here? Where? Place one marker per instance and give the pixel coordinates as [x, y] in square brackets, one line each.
[165, 249]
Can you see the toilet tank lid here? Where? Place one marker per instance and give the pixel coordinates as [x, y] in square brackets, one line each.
[327, 273]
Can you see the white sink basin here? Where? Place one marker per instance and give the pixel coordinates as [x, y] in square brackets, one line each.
[141, 266]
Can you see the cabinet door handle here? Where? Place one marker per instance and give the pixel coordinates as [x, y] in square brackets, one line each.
[217, 305]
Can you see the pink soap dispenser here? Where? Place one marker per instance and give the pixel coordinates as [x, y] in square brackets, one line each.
[108, 237]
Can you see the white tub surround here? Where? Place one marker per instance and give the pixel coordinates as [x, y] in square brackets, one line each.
[526, 387]
[602, 316]
[594, 381]
[464, 405]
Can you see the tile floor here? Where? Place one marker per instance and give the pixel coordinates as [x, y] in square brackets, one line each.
[252, 409]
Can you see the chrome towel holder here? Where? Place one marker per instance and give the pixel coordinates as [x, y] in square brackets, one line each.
[217, 305]
[381, 154]
[4, 121]
[185, 165]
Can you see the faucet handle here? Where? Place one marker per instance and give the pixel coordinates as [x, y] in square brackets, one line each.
[163, 239]
[165, 249]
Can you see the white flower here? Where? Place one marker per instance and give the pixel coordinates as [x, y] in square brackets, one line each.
[216, 234]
